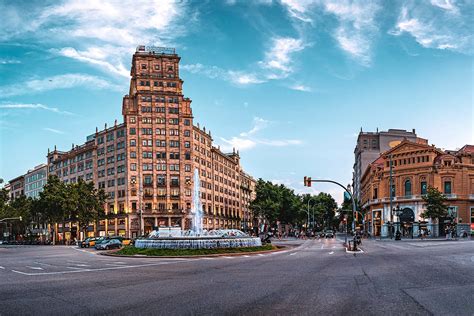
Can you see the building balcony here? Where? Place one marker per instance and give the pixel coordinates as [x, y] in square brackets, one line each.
[161, 184]
[451, 196]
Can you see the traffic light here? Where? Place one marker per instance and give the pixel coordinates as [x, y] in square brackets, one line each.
[307, 181]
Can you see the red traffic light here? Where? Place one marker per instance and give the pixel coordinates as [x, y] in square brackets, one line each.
[307, 181]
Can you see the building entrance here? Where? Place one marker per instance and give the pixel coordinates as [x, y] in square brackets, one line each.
[407, 217]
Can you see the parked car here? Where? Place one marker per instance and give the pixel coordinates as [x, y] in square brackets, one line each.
[88, 242]
[329, 234]
[109, 244]
[320, 234]
[123, 240]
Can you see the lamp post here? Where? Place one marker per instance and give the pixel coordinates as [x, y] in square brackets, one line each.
[398, 212]
[311, 198]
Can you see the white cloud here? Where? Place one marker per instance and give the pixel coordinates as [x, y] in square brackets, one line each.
[258, 124]
[9, 61]
[100, 33]
[34, 106]
[278, 58]
[277, 64]
[52, 130]
[300, 87]
[95, 56]
[438, 30]
[357, 26]
[448, 5]
[248, 140]
[65, 81]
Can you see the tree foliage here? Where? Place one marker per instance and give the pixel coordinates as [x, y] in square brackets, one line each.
[278, 203]
[435, 204]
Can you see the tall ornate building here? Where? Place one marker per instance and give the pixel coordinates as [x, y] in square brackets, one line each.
[146, 164]
[415, 167]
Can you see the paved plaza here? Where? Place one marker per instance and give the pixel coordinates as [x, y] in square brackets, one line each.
[312, 277]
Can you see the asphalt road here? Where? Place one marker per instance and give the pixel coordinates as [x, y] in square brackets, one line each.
[315, 278]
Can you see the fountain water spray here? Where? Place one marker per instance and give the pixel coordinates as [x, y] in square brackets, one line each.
[197, 207]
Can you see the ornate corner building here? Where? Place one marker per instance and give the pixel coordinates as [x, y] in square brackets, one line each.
[415, 167]
[146, 163]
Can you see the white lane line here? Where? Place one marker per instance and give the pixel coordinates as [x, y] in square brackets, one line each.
[228, 257]
[89, 252]
[260, 254]
[74, 261]
[99, 269]
[82, 265]
[322, 246]
[2, 267]
[34, 268]
[207, 258]
[43, 264]
[292, 254]
[331, 252]
[76, 268]
[246, 256]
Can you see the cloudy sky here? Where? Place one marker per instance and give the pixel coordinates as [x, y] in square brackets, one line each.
[288, 82]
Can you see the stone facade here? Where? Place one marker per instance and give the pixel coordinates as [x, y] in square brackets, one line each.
[415, 167]
[146, 164]
[369, 147]
[17, 187]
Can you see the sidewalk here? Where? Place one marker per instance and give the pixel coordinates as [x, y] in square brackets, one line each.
[440, 239]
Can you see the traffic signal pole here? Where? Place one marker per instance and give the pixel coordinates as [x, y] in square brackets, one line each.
[307, 183]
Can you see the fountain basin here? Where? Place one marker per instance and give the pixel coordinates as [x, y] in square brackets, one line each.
[201, 242]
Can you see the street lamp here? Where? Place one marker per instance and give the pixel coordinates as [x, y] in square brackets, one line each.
[311, 198]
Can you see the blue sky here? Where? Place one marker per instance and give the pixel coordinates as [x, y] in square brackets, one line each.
[290, 82]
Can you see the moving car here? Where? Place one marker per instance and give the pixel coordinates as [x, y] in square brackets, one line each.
[329, 234]
[109, 244]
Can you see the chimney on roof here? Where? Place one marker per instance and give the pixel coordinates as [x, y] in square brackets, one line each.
[219, 147]
[413, 130]
[48, 151]
[204, 128]
[72, 145]
[377, 129]
[54, 147]
[105, 125]
[115, 123]
[209, 132]
[233, 150]
[96, 129]
[198, 125]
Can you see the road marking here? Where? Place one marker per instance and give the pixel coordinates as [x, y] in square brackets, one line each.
[43, 264]
[75, 268]
[228, 257]
[34, 268]
[260, 254]
[205, 258]
[89, 252]
[322, 246]
[331, 252]
[99, 269]
[292, 254]
[246, 256]
[2, 267]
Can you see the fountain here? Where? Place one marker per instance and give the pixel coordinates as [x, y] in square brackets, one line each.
[197, 206]
[197, 237]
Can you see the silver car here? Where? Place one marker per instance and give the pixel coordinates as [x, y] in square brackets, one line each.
[108, 244]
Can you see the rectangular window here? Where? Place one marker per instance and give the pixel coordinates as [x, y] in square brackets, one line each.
[423, 187]
[447, 187]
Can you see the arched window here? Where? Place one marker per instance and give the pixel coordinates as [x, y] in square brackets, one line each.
[407, 188]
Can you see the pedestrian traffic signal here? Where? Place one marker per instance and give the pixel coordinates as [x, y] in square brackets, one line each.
[307, 181]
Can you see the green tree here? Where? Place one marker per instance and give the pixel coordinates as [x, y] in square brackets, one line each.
[435, 204]
[89, 203]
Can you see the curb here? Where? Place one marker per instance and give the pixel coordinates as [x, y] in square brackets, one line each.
[234, 254]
